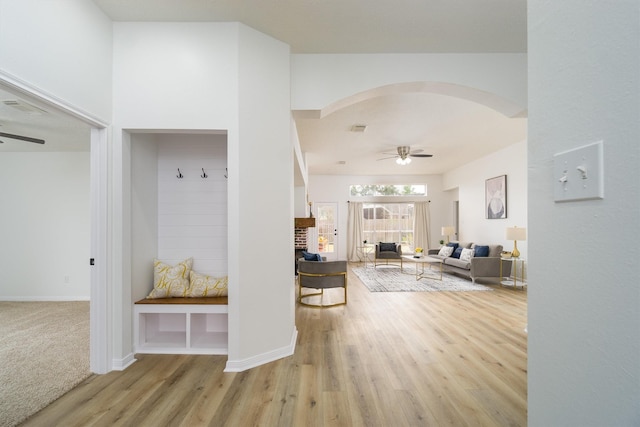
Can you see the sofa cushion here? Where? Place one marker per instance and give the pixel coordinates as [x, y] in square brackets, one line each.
[446, 251]
[454, 245]
[466, 265]
[481, 251]
[467, 254]
[387, 247]
[457, 252]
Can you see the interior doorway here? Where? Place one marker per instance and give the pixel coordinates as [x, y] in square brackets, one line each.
[73, 155]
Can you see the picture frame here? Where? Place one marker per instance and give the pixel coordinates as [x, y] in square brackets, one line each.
[495, 193]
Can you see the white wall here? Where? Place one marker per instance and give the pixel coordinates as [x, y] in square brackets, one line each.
[62, 47]
[469, 180]
[182, 77]
[320, 80]
[335, 188]
[584, 293]
[144, 212]
[44, 224]
[262, 324]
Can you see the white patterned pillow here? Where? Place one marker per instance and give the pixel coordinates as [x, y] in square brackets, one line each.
[207, 286]
[170, 280]
[446, 251]
[466, 255]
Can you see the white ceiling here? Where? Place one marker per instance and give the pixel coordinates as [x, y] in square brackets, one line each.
[455, 131]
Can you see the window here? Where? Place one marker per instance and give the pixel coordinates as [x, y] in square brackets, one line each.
[389, 222]
[388, 190]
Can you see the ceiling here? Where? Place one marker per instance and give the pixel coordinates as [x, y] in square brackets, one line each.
[454, 130]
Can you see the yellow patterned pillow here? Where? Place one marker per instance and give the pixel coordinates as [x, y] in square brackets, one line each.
[170, 280]
[207, 286]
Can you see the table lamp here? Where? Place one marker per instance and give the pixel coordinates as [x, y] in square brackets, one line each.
[448, 231]
[515, 234]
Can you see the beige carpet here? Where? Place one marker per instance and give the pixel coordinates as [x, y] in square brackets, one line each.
[44, 352]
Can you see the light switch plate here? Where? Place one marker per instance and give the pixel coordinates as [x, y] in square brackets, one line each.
[578, 173]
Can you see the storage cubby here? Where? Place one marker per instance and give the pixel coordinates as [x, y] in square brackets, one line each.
[180, 328]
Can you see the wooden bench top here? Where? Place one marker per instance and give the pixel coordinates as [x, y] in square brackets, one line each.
[202, 300]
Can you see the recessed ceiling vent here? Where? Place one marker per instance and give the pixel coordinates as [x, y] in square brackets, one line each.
[24, 107]
[358, 128]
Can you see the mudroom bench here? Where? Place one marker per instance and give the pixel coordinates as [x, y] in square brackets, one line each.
[181, 325]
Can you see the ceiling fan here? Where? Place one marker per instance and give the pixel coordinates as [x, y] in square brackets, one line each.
[21, 138]
[404, 155]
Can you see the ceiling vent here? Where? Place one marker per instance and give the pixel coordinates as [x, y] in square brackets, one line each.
[358, 128]
[24, 107]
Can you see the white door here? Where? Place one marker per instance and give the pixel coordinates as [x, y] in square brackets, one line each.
[327, 228]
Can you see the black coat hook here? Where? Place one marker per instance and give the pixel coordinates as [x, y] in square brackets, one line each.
[226, 173]
[204, 174]
[179, 174]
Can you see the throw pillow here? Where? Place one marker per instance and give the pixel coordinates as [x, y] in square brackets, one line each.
[466, 255]
[308, 256]
[207, 286]
[445, 251]
[481, 251]
[457, 252]
[453, 245]
[388, 247]
[170, 280]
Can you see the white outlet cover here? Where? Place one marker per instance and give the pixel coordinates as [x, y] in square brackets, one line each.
[578, 173]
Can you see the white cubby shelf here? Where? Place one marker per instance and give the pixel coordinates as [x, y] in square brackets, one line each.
[181, 326]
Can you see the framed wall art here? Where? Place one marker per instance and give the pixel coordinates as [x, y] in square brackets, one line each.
[495, 190]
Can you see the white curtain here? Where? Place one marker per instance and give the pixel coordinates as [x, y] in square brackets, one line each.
[421, 222]
[354, 230]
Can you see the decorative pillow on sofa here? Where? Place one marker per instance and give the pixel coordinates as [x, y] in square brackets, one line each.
[308, 256]
[170, 280]
[466, 255]
[453, 245]
[481, 251]
[457, 252]
[207, 286]
[446, 251]
[388, 247]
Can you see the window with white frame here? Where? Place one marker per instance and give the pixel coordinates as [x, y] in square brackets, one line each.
[389, 222]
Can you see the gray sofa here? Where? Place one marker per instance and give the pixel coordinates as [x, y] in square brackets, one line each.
[488, 266]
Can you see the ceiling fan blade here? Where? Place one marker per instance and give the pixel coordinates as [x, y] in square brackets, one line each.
[387, 158]
[421, 155]
[22, 138]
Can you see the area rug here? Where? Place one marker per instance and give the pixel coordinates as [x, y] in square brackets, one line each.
[387, 279]
[44, 352]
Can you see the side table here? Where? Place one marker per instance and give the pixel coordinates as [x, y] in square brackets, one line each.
[517, 264]
[364, 252]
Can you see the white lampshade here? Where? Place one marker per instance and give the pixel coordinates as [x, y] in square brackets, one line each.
[516, 233]
[448, 230]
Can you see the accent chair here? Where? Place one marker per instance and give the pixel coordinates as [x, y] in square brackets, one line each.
[386, 252]
[321, 275]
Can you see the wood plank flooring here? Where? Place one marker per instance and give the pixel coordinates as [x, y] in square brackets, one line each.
[385, 359]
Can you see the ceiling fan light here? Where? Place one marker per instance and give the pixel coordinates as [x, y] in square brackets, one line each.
[407, 160]
[399, 161]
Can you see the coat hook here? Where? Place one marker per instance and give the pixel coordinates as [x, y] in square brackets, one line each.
[179, 174]
[226, 173]
[204, 174]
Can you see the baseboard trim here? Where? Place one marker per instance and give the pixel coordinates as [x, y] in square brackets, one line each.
[45, 299]
[261, 359]
[122, 364]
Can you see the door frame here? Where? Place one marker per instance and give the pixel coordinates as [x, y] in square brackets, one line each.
[100, 316]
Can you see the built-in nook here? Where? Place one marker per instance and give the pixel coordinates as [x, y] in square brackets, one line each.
[178, 211]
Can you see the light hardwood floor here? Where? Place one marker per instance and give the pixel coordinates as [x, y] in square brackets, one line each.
[385, 359]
